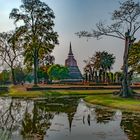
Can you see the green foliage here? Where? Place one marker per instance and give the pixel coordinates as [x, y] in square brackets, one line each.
[4, 77]
[100, 61]
[134, 57]
[19, 75]
[103, 60]
[118, 76]
[42, 74]
[57, 72]
[29, 78]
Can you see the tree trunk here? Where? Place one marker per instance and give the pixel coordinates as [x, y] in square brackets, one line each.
[96, 77]
[126, 90]
[111, 77]
[91, 74]
[104, 76]
[86, 76]
[100, 76]
[107, 77]
[89, 77]
[35, 66]
[13, 76]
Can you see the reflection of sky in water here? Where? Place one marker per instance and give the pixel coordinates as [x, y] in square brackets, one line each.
[67, 121]
[83, 130]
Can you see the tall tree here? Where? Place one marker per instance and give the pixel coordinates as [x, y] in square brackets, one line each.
[126, 22]
[11, 50]
[40, 38]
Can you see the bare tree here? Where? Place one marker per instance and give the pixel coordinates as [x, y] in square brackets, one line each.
[10, 50]
[126, 22]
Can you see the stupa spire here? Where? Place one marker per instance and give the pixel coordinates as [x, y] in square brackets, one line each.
[70, 50]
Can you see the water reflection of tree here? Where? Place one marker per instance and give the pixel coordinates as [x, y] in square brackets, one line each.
[9, 119]
[131, 125]
[36, 123]
[104, 115]
[6, 123]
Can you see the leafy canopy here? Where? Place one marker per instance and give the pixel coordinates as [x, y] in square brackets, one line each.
[57, 72]
[101, 61]
[37, 18]
[134, 57]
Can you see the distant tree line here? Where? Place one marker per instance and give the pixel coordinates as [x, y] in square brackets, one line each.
[45, 74]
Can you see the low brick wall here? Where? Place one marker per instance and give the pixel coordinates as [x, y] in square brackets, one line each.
[76, 87]
[72, 88]
[4, 89]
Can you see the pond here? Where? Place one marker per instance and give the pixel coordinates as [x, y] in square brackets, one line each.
[64, 118]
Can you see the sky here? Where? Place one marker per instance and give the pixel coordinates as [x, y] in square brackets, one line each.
[73, 16]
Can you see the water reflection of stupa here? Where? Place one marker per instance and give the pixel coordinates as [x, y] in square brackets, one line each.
[71, 63]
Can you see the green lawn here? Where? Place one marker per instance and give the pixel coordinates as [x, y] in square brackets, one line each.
[114, 101]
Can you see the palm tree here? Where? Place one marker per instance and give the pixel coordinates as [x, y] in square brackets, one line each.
[102, 62]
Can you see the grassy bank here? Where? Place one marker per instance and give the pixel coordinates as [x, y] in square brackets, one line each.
[114, 102]
[20, 91]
